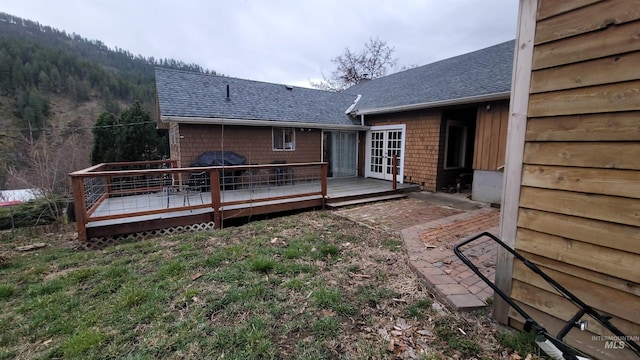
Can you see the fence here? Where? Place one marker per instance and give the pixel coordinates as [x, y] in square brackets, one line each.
[135, 192]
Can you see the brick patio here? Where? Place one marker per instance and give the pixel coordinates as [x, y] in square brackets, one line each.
[430, 248]
[431, 225]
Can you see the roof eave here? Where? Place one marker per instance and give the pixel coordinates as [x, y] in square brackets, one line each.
[250, 122]
[435, 104]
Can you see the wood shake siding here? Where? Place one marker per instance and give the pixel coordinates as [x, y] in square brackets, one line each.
[422, 141]
[491, 136]
[579, 207]
[255, 143]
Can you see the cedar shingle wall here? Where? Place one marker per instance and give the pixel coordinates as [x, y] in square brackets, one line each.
[422, 141]
[255, 143]
[579, 211]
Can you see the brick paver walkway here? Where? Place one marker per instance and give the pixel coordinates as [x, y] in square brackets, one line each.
[430, 249]
[396, 215]
[430, 231]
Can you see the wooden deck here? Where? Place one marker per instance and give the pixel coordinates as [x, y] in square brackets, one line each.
[241, 201]
[110, 211]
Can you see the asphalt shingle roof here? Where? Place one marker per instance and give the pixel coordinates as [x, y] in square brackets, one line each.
[483, 72]
[189, 94]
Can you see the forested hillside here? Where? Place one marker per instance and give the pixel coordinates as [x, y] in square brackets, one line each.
[53, 87]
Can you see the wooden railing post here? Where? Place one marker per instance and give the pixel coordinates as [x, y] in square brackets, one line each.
[215, 198]
[77, 185]
[324, 170]
[394, 172]
[107, 185]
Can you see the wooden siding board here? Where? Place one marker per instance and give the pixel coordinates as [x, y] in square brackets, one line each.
[482, 139]
[494, 143]
[579, 203]
[602, 233]
[561, 308]
[607, 155]
[587, 18]
[623, 126]
[610, 41]
[147, 225]
[582, 340]
[594, 99]
[596, 295]
[614, 262]
[616, 68]
[600, 207]
[624, 183]
[586, 274]
[491, 136]
[478, 152]
[548, 9]
[486, 140]
[504, 121]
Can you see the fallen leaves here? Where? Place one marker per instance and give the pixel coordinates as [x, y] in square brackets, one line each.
[196, 276]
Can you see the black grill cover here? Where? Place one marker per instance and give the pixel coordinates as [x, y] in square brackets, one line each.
[219, 158]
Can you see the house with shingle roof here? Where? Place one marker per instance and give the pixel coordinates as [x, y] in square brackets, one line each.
[445, 121]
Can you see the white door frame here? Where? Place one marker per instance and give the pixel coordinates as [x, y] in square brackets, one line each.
[367, 167]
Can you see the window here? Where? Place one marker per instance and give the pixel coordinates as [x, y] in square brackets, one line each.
[284, 139]
[455, 145]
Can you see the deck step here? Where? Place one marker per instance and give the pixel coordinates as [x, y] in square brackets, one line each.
[332, 205]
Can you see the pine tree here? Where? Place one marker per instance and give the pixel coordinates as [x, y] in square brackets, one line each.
[138, 139]
[104, 139]
[130, 137]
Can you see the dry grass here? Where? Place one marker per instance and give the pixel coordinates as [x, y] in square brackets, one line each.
[310, 285]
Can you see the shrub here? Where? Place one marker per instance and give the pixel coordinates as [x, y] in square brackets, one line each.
[32, 213]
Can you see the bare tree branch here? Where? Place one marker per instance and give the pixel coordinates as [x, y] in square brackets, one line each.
[351, 68]
[50, 159]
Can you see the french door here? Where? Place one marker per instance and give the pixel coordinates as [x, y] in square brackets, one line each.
[383, 142]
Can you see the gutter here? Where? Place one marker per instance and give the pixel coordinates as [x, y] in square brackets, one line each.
[434, 104]
[248, 122]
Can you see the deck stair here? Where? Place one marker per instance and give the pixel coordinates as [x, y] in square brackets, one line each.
[365, 200]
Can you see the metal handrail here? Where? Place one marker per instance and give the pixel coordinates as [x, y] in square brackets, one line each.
[530, 324]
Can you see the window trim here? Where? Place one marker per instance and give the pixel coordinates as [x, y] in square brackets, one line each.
[463, 148]
[284, 147]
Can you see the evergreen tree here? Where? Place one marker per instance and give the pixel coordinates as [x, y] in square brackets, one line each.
[43, 82]
[33, 110]
[5, 72]
[56, 80]
[104, 139]
[138, 138]
[130, 137]
[17, 77]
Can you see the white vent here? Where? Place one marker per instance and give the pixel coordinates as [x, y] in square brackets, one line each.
[353, 105]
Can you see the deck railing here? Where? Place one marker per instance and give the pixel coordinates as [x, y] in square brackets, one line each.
[133, 190]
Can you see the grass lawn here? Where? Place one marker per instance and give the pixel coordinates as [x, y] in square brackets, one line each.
[305, 286]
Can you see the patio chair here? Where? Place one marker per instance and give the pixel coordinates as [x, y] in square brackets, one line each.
[197, 182]
[283, 174]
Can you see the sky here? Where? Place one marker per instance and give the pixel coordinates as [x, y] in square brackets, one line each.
[281, 41]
